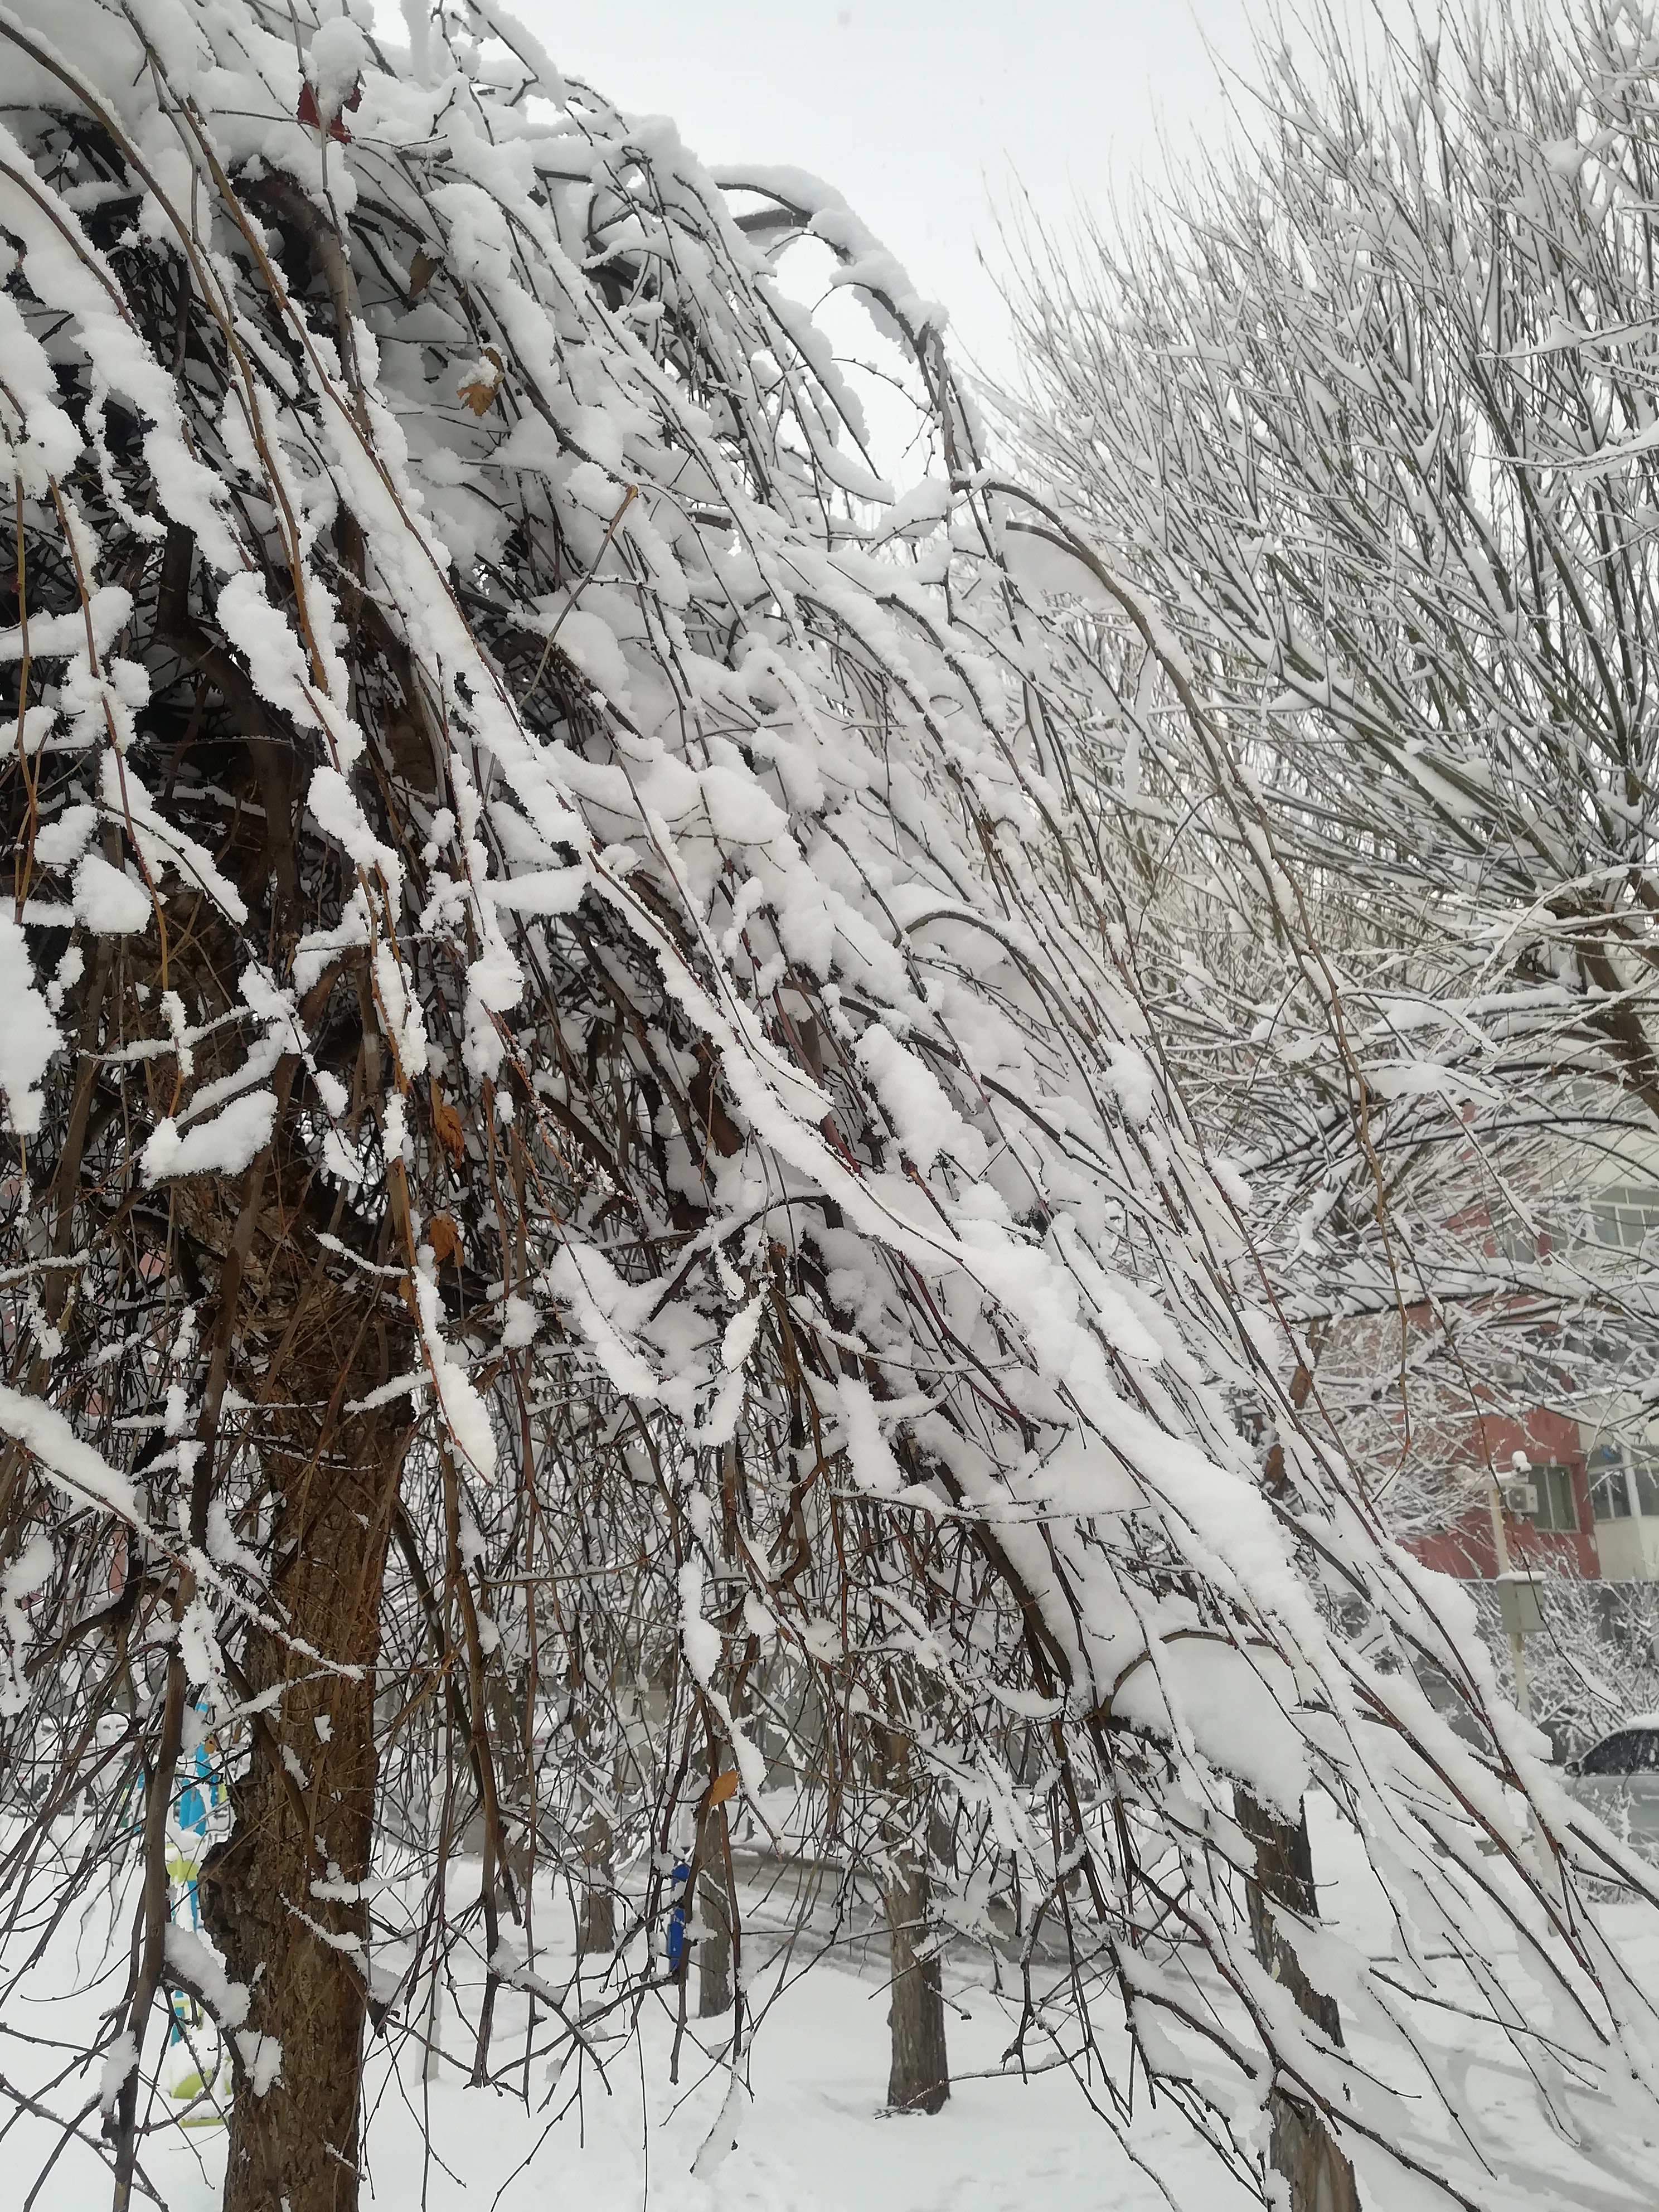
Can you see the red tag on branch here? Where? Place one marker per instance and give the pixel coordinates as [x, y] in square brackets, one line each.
[308, 112]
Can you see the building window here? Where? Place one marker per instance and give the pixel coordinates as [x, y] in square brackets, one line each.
[1624, 1216]
[1620, 1483]
[1610, 1484]
[1557, 1512]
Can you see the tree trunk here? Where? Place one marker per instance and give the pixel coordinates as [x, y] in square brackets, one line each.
[713, 1916]
[596, 1920]
[1302, 2150]
[304, 1821]
[919, 2081]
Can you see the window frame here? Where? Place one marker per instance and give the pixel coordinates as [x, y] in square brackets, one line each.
[1636, 1474]
[1553, 1479]
[1607, 1473]
[1630, 1210]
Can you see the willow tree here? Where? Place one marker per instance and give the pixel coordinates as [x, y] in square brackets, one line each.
[566, 1033]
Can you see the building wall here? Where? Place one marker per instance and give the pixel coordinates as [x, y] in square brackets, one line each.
[1629, 1549]
[1466, 1548]
[1544, 1436]
[1580, 1197]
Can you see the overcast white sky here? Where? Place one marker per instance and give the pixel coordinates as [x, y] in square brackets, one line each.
[920, 111]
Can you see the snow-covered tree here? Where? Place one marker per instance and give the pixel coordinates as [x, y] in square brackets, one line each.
[586, 1157]
[1367, 414]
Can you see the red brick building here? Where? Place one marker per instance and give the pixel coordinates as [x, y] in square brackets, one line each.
[1562, 1536]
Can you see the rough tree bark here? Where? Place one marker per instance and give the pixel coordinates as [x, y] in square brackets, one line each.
[919, 2079]
[282, 1896]
[713, 1916]
[1303, 2149]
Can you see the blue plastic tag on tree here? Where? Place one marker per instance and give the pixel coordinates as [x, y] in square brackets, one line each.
[675, 1934]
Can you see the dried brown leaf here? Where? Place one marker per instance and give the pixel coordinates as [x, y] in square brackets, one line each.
[478, 394]
[446, 1126]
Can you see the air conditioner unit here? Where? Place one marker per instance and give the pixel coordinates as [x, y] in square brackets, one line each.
[1520, 1498]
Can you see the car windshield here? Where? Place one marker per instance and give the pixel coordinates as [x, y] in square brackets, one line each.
[1630, 1750]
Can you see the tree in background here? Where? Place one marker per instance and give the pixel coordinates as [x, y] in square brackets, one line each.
[1362, 425]
[584, 1143]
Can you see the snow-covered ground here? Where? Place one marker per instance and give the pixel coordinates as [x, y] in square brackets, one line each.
[806, 2133]
[812, 2139]
[809, 2129]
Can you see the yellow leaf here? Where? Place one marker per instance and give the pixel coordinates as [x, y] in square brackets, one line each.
[723, 1786]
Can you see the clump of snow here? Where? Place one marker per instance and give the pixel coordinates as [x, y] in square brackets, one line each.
[223, 1145]
[869, 1454]
[119, 2061]
[28, 1035]
[198, 1965]
[465, 1414]
[1131, 1080]
[699, 1637]
[262, 2055]
[1231, 1177]
[519, 1322]
[20, 1583]
[58, 844]
[926, 1122]
[339, 52]
[75, 1464]
[111, 902]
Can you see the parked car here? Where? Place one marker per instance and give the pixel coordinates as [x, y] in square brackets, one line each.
[1619, 1779]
